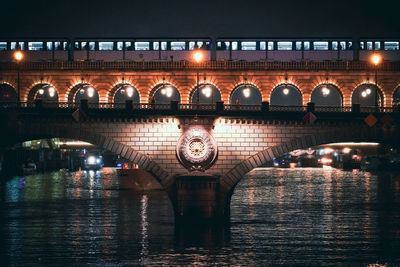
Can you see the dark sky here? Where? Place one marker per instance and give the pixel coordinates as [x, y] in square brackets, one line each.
[203, 18]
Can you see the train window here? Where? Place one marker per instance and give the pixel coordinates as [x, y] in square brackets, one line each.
[285, 45]
[248, 45]
[234, 45]
[35, 46]
[3, 45]
[57, 46]
[391, 45]
[349, 45]
[76, 46]
[163, 45]
[13, 45]
[298, 45]
[306, 45]
[106, 45]
[362, 45]
[177, 45]
[342, 45]
[49, 45]
[92, 46]
[142, 46]
[200, 44]
[263, 45]
[128, 45]
[369, 46]
[377, 45]
[192, 44]
[84, 45]
[335, 45]
[120, 46]
[270, 45]
[65, 45]
[156, 45]
[320, 45]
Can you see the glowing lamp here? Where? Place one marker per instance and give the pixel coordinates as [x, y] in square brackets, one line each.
[346, 150]
[206, 91]
[129, 91]
[368, 91]
[122, 91]
[198, 56]
[246, 92]
[91, 160]
[376, 59]
[52, 91]
[41, 91]
[168, 91]
[364, 94]
[82, 91]
[18, 55]
[285, 91]
[325, 91]
[90, 91]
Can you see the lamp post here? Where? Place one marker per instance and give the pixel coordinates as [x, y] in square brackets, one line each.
[376, 59]
[198, 57]
[18, 55]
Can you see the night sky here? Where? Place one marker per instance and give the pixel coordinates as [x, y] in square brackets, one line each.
[204, 18]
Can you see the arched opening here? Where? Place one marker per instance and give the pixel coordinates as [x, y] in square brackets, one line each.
[165, 93]
[286, 95]
[124, 92]
[245, 94]
[7, 93]
[205, 94]
[43, 91]
[367, 95]
[396, 97]
[327, 95]
[85, 91]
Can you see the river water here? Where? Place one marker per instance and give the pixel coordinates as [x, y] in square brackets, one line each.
[320, 217]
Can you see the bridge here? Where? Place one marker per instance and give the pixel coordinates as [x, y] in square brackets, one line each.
[199, 153]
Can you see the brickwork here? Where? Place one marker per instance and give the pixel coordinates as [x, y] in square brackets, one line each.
[65, 82]
[243, 144]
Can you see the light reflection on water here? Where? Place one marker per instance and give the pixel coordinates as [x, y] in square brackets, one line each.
[278, 216]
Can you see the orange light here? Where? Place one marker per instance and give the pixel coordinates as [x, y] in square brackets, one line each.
[18, 55]
[198, 56]
[325, 161]
[346, 150]
[376, 59]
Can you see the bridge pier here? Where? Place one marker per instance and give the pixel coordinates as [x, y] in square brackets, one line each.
[197, 198]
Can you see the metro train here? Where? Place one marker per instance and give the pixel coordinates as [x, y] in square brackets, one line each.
[176, 49]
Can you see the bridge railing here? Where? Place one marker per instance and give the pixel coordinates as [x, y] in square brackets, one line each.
[210, 65]
[175, 106]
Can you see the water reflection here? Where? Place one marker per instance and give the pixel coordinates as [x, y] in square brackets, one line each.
[278, 217]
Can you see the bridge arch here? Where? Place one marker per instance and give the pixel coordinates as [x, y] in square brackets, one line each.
[164, 92]
[8, 93]
[123, 91]
[359, 134]
[327, 94]
[82, 91]
[44, 91]
[396, 96]
[365, 94]
[286, 94]
[44, 130]
[207, 92]
[247, 93]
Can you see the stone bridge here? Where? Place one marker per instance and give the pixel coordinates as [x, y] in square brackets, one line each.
[198, 159]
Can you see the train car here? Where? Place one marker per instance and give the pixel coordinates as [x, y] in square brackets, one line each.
[161, 49]
[388, 48]
[279, 49]
[39, 50]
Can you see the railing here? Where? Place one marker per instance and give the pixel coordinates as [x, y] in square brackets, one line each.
[208, 65]
[218, 107]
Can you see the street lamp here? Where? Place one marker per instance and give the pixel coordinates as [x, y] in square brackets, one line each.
[376, 59]
[18, 55]
[198, 57]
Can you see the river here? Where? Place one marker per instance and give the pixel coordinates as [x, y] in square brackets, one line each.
[310, 216]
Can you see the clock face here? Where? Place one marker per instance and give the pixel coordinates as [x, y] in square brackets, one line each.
[196, 149]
